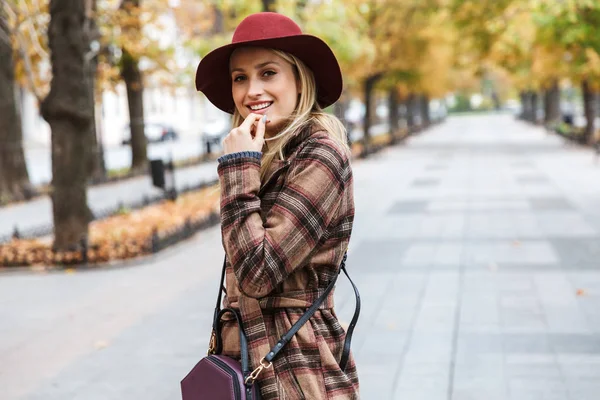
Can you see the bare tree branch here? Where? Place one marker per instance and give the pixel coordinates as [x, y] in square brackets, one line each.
[33, 34]
[28, 69]
[5, 36]
[21, 47]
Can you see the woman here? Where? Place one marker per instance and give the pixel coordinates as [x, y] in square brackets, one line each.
[287, 203]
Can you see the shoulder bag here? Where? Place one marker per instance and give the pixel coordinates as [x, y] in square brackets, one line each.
[218, 377]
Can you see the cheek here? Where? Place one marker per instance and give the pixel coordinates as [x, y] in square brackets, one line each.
[287, 100]
[238, 98]
[292, 101]
[292, 91]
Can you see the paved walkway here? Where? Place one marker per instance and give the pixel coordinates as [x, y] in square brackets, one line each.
[476, 248]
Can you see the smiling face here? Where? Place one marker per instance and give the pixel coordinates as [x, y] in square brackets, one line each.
[263, 83]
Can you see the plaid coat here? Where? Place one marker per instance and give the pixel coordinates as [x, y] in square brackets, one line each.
[284, 243]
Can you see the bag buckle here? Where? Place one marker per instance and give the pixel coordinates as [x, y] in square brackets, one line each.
[212, 344]
[264, 364]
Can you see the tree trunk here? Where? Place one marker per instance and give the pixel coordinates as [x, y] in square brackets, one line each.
[523, 97]
[424, 102]
[496, 100]
[68, 110]
[369, 85]
[97, 166]
[529, 105]
[14, 180]
[534, 106]
[589, 106]
[339, 110]
[552, 104]
[131, 74]
[404, 113]
[394, 116]
[268, 5]
[219, 24]
[410, 112]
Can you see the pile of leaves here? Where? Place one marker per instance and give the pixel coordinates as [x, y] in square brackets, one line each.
[128, 235]
[568, 130]
[377, 142]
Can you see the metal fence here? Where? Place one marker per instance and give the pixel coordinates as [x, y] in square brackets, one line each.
[48, 229]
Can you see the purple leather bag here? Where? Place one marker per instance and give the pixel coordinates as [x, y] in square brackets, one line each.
[218, 377]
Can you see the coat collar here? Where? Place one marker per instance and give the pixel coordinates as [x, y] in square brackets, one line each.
[290, 151]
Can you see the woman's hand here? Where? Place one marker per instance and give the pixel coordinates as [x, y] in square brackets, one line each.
[249, 136]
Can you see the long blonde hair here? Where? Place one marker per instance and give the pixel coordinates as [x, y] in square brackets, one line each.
[308, 113]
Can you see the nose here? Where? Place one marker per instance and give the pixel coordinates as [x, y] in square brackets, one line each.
[255, 88]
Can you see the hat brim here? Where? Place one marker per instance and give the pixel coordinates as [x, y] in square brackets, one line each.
[214, 80]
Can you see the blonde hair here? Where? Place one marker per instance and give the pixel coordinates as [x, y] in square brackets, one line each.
[308, 113]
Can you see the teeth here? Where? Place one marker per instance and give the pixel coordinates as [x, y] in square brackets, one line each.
[260, 106]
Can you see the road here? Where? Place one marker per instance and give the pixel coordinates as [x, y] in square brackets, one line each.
[39, 161]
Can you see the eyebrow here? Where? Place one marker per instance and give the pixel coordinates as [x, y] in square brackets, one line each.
[257, 66]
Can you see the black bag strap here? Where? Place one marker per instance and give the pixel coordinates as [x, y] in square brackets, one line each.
[311, 311]
[243, 341]
[290, 334]
[219, 299]
[350, 330]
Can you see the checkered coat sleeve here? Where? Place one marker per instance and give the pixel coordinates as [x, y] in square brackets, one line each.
[284, 240]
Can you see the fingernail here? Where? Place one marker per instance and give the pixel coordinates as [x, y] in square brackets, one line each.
[264, 118]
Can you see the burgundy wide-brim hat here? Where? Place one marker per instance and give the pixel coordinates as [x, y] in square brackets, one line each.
[275, 31]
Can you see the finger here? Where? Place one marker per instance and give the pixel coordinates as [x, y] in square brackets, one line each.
[249, 121]
[260, 128]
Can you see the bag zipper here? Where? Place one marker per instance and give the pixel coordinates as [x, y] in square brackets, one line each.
[230, 371]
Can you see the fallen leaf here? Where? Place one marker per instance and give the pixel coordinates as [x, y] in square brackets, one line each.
[101, 344]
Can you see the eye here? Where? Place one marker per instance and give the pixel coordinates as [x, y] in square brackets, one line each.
[239, 78]
[269, 73]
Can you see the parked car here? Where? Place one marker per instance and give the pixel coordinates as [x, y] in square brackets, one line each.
[213, 131]
[155, 132]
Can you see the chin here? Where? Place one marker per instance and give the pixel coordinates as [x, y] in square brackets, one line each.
[276, 126]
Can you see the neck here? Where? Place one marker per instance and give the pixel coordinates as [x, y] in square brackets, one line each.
[270, 144]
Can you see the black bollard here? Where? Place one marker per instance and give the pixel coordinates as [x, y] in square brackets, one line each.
[84, 249]
[155, 240]
[188, 227]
